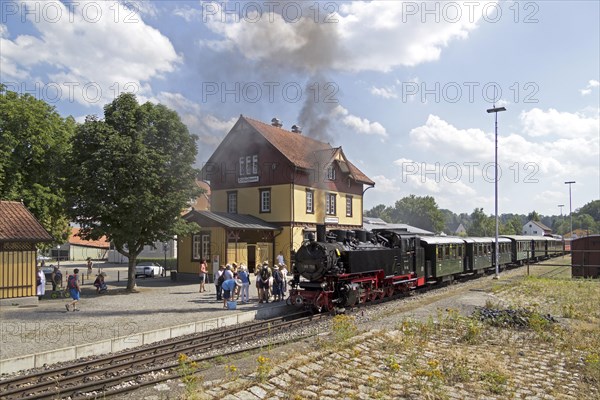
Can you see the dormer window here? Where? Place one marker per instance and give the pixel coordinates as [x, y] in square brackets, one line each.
[331, 173]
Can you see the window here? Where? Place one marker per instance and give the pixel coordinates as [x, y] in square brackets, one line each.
[348, 206]
[242, 166]
[201, 246]
[310, 207]
[330, 204]
[249, 165]
[232, 202]
[331, 173]
[265, 200]
[255, 164]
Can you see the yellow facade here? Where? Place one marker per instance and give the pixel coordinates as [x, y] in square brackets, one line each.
[284, 198]
[18, 274]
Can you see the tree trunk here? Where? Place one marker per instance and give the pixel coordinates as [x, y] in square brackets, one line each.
[131, 286]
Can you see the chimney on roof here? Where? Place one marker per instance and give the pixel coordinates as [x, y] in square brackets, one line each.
[276, 123]
[296, 129]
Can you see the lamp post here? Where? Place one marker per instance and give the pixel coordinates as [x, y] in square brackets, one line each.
[165, 249]
[496, 110]
[570, 209]
[58, 255]
[561, 206]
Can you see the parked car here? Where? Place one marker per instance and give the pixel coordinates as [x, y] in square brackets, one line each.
[148, 268]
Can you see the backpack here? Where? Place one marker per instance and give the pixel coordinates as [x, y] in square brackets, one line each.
[277, 276]
[72, 282]
[264, 274]
[221, 279]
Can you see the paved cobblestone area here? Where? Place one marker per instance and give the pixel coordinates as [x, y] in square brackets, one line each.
[160, 303]
[394, 365]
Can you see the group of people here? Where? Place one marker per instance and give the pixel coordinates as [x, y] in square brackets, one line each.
[73, 284]
[233, 281]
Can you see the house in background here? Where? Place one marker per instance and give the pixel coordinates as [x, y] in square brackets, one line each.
[270, 187]
[20, 231]
[77, 249]
[536, 228]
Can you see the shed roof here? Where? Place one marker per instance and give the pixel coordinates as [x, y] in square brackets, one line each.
[75, 239]
[231, 221]
[17, 224]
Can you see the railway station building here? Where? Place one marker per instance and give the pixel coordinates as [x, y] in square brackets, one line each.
[270, 187]
[20, 231]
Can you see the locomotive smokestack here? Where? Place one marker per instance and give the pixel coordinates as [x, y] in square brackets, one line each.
[321, 232]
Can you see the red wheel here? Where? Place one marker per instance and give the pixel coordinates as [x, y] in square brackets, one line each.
[389, 291]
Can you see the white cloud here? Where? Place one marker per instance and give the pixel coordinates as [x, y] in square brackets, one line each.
[360, 125]
[89, 55]
[209, 129]
[592, 83]
[375, 35]
[385, 92]
[187, 13]
[537, 122]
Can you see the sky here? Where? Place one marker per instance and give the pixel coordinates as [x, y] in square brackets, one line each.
[402, 86]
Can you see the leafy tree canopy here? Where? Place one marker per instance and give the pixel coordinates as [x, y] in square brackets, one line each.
[34, 143]
[133, 177]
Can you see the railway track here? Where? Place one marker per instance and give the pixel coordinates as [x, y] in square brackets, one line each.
[125, 372]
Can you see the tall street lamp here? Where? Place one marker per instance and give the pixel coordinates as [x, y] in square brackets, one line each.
[561, 206]
[496, 110]
[570, 209]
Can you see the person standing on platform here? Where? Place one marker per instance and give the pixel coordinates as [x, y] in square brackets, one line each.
[219, 281]
[203, 275]
[265, 277]
[40, 283]
[245, 278]
[280, 259]
[284, 274]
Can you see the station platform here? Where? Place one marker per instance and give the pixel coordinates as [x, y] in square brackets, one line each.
[44, 332]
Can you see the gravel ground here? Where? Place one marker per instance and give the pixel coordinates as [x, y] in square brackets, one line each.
[160, 303]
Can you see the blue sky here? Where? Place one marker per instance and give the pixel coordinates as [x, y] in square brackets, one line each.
[399, 85]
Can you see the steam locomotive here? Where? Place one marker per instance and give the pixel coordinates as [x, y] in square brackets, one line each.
[343, 268]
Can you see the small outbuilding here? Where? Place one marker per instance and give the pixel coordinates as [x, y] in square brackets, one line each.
[585, 257]
[20, 231]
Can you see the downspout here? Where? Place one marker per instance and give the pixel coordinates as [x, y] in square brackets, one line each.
[292, 219]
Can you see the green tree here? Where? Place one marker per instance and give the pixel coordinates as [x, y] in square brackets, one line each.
[513, 226]
[533, 216]
[34, 143]
[421, 212]
[134, 176]
[592, 208]
[481, 224]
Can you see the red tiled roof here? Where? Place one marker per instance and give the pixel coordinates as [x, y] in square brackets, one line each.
[301, 150]
[17, 224]
[78, 241]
